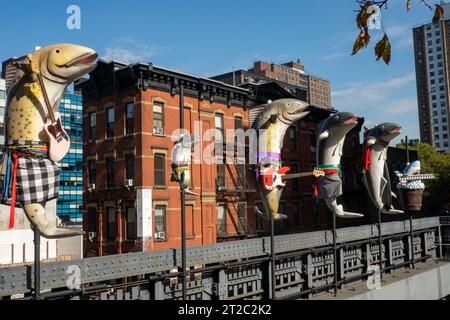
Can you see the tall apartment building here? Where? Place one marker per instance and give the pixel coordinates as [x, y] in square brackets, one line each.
[432, 54]
[3, 97]
[8, 72]
[70, 200]
[290, 75]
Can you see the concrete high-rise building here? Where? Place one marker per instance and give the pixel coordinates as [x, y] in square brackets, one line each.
[9, 72]
[432, 53]
[290, 75]
[71, 180]
[2, 113]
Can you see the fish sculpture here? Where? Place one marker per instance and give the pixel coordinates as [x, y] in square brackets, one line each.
[271, 125]
[375, 170]
[330, 146]
[34, 134]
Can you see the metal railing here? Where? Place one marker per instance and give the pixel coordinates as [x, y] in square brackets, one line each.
[236, 270]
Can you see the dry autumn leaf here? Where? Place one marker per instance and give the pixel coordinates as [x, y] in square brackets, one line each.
[438, 13]
[363, 17]
[362, 41]
[383, 49]
[408, 5]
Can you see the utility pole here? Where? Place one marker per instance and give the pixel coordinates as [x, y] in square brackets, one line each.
[183, 201]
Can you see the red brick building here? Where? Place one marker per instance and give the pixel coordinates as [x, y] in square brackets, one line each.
[131, 113]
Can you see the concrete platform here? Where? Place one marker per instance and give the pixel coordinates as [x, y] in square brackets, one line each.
[429, 281]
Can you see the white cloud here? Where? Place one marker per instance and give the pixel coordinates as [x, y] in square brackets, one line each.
[335, 55]
[131, 51]
[369, 92]
[401, 36]
[390, 100]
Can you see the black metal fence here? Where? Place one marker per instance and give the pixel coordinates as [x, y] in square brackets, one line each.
[304, 265]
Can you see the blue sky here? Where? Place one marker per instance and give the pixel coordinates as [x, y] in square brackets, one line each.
[207, 37]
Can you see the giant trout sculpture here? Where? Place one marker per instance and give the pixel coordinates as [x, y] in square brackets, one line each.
[34, 135]
[272, 125]
[375, 172]
[329, 153]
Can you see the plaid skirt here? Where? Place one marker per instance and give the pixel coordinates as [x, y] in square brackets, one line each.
[37, 180]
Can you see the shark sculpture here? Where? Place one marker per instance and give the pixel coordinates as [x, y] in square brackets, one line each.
[272, 124]
[329, 152]
[35, 138]
[375, 170]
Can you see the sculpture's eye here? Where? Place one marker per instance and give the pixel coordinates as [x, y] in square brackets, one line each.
[58, 50]
[337, 117]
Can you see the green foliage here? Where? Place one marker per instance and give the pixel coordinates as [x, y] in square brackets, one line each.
[437, 193]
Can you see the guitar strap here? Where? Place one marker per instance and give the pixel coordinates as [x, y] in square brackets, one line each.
[35, 69]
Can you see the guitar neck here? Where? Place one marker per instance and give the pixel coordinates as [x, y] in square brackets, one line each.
[297, 175]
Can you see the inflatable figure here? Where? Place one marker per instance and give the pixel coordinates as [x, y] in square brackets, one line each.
[329, 152]
[275, 119]
[181, 159]
[375, 170]
[34, 135]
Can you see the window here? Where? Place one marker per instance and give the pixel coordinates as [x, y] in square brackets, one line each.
[92, 211]
[437, 145]
[293, 138]
[432, 81]
[111, 223]
[431, 58]
[238, 123]
[218, 121]
[312, 138]
[92, 171]
[110, 122]
[158, 117]
[129, 166]
[160, 170]
[431, 66]
[295, 182]
[221, 175]
[444, 120]
[242, 216]
[130, 118]
[2, 95]
[436, 137]
[221, 218]
[160, 219]
[432, 74]
[444, 128]
[296, 211]
[131, 223]
[110, 176]
[92, 126]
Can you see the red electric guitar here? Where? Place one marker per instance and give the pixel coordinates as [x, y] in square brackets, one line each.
[59, 139]
[275, 178]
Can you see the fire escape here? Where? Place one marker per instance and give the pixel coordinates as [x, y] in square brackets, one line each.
[233, 188]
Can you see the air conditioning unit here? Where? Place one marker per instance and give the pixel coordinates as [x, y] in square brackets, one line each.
[92, 235]
[160, 236]
[91, 186]
[158, 131]
[128, 183]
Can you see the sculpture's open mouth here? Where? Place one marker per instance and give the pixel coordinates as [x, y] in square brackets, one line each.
[85, 59]
[353, 120]
[396, 130]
